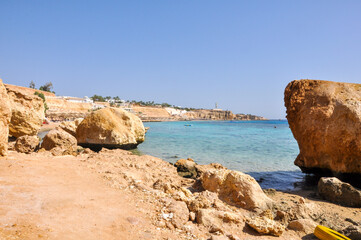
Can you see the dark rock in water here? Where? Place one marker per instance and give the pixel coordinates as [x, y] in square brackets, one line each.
[186, 168]
[339, 192]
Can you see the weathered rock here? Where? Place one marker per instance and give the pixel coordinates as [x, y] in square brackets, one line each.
[110, 128]
[186, 168]
[27, 113]
[303, 225]
[205, 199]
[339, 192]
[264, 225]
[236, 188]
[27, 144]
[5, 116]
[325, 119]
[69, 127]
[59, 142]
[180, 213]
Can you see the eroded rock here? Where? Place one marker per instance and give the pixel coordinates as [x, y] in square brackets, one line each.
[334, 190]
[110, 128]
[71, 126]
[325, 119]
[59, 142]
[264, 225]
[5, 116]
[27, 113]
[27, 144]
[236, 188]
[303, 225]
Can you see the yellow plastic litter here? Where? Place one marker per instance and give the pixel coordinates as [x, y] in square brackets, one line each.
[325, 233]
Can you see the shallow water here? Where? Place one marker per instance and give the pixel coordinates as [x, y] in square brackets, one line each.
[264, 149]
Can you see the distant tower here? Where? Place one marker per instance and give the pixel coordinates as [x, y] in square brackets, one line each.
[216, 105]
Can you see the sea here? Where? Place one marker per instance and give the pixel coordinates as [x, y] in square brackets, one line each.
[265, 150]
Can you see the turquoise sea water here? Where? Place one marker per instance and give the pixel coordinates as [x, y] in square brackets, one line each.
[264, 149]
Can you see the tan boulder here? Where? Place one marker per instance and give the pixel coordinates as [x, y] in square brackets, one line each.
[325, 119]
[27, 113]
[334, 190]
[5, 116]
[180, 213]
[27, 144]
[236, 188]
[110, 128]
[59, 142]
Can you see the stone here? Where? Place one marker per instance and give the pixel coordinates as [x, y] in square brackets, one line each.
[180, 213]
[236, 188]
[336, 191]
[186, 168]
[303, 225]
[325, 119]
[352, 232]
[110, 128]
[27, 144]
[264, 225]
[219, 237]
[5, 116]
[204, 199]
[27, 114]
[59, 142]
[69, 127]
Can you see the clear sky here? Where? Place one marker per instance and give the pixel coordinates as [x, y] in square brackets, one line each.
[240, 54]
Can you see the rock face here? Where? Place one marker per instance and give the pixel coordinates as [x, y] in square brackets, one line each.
[209, 115]
[27, 113]
[336, 191]
[325, 119]
[110, 128]
[236, 188]
[27, 144]
[59, 142]
[5, 115]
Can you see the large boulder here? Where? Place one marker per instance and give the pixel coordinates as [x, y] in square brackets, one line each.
[27, 144]
[59, 142]
[339, 192]
[110, 128]
[325, 119]
[186, 168]
[5, 115]
[27, 113]
[236, 188]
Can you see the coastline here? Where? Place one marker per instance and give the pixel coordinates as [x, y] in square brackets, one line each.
[118, 195]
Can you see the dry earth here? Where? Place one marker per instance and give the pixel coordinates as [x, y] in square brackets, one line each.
[112, 195]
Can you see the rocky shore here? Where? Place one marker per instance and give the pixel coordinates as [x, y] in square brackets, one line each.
[60, 188]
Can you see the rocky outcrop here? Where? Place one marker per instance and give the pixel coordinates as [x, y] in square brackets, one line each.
[59, 142]
[5, 116]
[325, 119]
[27, 113]
[27, 144]
[203, 114]
[339, 192]
[236, 188]
[110, 128]
[248, 117]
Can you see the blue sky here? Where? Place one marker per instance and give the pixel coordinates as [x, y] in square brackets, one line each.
[240, 54]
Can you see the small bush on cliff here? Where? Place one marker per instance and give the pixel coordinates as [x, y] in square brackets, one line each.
[41, 95]
[47, 87]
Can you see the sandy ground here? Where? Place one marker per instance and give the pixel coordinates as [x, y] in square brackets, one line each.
[108, 196]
